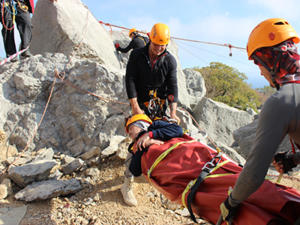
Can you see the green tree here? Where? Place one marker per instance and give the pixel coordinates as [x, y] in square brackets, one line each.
[226, 84]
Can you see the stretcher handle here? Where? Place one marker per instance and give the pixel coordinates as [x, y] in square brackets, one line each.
[220, 220]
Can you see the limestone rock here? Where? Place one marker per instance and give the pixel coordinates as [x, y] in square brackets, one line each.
[48, 189]
[113, 146]
[72, 165]
[37, 171]
[95, 151]
[74, 30]
[220, 120]
[195, 85]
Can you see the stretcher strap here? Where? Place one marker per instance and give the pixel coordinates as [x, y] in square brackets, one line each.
[164, 154]
[194, 185]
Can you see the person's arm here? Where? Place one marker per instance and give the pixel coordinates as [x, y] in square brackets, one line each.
[130, 80]
[173, 108]
[135, 108]
[272, 128]
[158, 132]
[172, 88]
[164, 131]
[128, 48]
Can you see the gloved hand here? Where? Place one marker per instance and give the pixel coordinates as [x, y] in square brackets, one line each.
[117, 46]
[228, 212]
[284, 162]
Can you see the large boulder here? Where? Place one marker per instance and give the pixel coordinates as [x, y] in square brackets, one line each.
[75, 121]
[195, 85]
[70, 28]
[220, 120]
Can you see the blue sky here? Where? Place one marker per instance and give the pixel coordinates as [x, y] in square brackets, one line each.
[220, 21]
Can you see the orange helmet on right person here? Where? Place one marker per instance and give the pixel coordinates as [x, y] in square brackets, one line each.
[270, 32]
[160, 34]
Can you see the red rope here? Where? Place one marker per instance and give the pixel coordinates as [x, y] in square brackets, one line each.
[181, 39]
[3, 22]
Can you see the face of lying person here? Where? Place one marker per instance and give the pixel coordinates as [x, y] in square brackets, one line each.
[133, 131]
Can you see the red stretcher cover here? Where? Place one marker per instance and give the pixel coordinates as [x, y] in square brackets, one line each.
[183, 164]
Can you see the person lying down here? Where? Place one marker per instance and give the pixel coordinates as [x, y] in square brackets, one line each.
[198, 177]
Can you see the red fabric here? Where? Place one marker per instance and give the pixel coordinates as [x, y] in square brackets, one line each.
[31, 6]
[150, 134]
[184, 164]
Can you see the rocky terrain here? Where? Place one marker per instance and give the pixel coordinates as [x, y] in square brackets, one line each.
[62, 140]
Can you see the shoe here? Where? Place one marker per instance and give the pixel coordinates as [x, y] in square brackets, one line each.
[25, 54]
[14, 59]
[127, 192]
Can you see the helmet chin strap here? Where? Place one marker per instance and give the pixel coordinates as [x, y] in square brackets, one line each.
[271, 71]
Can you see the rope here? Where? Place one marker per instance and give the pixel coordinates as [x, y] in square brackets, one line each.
[107, 100]
[36, 128]
[230, 46]
[12, 56]
[198, 125]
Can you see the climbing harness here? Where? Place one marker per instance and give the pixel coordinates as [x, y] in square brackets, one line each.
[11, 8]
[193, 186]
[155, 106]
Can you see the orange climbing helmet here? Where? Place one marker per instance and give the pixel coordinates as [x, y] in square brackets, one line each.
[160, 34]
[270, 32]
[131, 31]
[135, 118]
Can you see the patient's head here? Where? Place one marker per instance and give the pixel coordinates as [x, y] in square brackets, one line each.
[137, 123]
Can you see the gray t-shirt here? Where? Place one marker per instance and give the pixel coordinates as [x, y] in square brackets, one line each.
[280, 116]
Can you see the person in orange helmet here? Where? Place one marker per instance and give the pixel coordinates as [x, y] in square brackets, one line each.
[151, 86]
[272, 47]
[137, 41]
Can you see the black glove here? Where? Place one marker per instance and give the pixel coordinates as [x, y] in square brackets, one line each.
[228, 212]
[286, 160]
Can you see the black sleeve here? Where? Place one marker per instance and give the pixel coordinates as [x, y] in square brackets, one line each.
[130, 77]
[129, 47]
[165, 131]
[172, 88]
[135, 166]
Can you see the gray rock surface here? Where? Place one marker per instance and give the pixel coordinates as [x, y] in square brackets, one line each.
[220, 120]
[28, 173]
[48, 189]
[74, 31]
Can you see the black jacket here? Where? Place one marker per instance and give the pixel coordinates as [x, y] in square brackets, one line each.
[137, 42]
[141, 76]
[161, 130]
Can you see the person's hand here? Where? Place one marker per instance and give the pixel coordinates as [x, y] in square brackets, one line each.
[117, 46]
[283, 162]
[228, 212]
[175, 117]
[144, 141]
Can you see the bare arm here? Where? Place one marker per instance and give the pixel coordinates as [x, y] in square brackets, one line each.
[135, 108]
[173, 108]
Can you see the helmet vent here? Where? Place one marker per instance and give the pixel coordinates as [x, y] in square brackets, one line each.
[280, 23]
